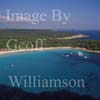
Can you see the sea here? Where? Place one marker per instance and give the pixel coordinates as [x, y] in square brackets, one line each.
[55, 64]
[92, 34]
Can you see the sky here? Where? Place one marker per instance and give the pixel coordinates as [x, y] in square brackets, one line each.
[80, 14]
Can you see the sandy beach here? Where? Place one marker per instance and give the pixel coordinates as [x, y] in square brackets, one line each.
[34, 49]
[72, 37]
[42, 49]
[5, 51]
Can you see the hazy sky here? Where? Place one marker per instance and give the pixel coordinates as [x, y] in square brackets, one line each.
[85, 14]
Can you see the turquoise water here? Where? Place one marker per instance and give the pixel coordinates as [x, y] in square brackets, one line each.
[61, 63]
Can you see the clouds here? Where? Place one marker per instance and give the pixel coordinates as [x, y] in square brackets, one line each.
[3, 18]
[6, 19]
[84, 14]
[56, 16]
[27, 17]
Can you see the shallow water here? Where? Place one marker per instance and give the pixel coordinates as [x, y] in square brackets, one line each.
[61, 63]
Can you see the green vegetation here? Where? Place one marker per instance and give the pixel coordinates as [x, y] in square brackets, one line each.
[25, 35]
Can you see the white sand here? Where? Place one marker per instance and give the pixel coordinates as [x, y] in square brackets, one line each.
[72, 37]
[42, 49]
[50, 48]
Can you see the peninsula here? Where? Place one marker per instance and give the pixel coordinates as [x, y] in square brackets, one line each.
[53, 40]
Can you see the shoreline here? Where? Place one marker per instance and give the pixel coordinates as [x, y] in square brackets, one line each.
[72, 37]
[5, 51]
[43, 49]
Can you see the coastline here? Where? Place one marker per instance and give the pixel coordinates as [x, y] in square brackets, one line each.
[42, 49]
[62, 94]
[5, 51]
[72, 37]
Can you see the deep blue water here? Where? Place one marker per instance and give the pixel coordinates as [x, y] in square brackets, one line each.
[61, 63]
[93, 35]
